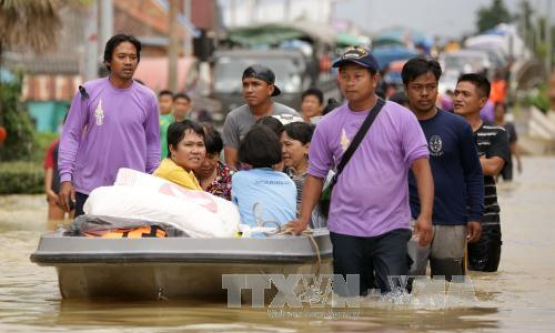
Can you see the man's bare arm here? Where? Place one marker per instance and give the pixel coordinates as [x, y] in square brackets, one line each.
[492, 166]
[230, 156]
[425, 183]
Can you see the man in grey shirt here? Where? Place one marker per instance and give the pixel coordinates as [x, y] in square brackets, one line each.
[258, 89]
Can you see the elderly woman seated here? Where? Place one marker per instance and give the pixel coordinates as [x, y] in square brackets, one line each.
[186, 153]
[214, 176]
[262, 194]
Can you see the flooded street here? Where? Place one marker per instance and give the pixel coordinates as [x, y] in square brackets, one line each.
[521, 296]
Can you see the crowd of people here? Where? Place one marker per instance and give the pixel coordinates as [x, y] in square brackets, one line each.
[396, 174]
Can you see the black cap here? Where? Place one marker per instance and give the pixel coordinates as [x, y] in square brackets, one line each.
[262, 73]
[359, 56]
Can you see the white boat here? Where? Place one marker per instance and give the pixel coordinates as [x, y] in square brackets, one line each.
[174, 267]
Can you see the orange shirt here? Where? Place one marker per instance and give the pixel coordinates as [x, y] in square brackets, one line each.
[498, 91]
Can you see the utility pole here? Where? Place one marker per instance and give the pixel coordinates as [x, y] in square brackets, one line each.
[90, 72]
[187, 40]
[538, 26]
[548, 42]
[174, 45]
[106, 20]
[524, 23]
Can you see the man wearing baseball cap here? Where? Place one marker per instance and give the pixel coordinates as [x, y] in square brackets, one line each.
[258, 89]
[369, 213]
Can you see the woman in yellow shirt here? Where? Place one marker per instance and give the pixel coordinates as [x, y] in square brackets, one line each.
[186, 152]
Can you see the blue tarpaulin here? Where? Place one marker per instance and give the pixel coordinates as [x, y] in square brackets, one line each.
[400, 36]
[386, 55]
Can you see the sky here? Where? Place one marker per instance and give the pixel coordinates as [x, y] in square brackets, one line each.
[446, 18]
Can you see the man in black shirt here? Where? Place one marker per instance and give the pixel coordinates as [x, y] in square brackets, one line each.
[471, 94]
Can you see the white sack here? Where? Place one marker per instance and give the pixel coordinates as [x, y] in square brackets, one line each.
[142, 196]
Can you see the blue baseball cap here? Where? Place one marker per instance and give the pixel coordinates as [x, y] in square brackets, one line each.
[359, 56]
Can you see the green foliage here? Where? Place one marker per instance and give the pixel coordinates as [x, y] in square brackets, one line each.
[21, 178]
[26, 177]
[541, 47]
[541, 50]
[20, 140]
[43, 141]
[539, 98]
[489, 17]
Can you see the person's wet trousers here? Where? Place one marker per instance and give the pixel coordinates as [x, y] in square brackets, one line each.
[381, 261]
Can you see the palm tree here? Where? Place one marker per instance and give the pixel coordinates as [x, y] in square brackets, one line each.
[24, 24]
[33, 23]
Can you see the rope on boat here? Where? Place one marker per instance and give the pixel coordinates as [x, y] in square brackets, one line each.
[257, 213]
[280, 230]
[309, 233]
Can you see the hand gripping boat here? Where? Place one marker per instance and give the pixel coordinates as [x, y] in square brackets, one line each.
[174, 267]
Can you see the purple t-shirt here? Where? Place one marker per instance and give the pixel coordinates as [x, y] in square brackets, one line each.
[487, 113]
[111, 129]
[371, 195]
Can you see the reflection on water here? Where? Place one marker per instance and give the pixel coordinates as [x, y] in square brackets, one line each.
[521, 296]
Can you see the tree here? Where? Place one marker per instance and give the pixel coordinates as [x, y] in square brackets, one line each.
[24, 24]
[489, 17]
[29, 23]
[20, 139]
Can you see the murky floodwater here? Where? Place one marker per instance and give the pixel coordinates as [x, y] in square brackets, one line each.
[520, 297]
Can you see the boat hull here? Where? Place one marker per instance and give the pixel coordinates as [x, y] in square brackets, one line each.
[175, 268]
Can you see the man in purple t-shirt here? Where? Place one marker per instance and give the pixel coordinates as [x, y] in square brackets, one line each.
[369, 213]
[113, 123]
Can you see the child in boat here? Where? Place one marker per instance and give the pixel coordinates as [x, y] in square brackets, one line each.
[276, 126]
[262, 194]
[186, 153]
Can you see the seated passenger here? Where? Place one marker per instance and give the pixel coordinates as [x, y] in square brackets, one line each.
[269, 193]
[295, 142]
[186, 153]
[273, 123]
[213, 175]
[276, 126]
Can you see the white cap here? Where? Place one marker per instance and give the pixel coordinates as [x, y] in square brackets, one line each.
[287, 118]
